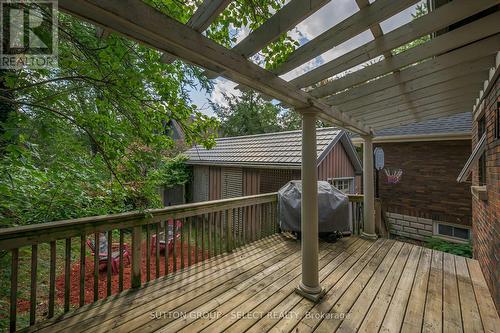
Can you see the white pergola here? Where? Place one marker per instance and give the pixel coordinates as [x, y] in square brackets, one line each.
[435, 79]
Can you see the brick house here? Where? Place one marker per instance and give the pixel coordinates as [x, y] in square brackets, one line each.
[427, 201]
[263, 163]
[482, 173]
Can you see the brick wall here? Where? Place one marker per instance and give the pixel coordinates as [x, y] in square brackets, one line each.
[410, 226]
[428, 188]
[486, 214]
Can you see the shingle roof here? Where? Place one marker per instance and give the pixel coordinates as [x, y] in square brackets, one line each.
[456, 123]
[280, 149]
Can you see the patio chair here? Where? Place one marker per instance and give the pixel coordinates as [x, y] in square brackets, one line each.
[170, 228]
[103, 252]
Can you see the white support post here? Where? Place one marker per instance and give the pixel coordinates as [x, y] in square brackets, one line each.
[368, 190]
[309, 286]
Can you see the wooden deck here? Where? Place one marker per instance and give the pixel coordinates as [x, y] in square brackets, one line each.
[372, 286]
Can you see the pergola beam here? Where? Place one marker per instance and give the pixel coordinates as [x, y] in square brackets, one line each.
[431, 22]
[343, 31]
[137, 20]
[471, 81]
[470, 33]
[204, 15]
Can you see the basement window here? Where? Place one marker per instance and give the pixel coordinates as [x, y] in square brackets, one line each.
[453, 232]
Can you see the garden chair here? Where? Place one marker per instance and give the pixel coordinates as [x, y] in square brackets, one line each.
[170, 240]
[103, 252]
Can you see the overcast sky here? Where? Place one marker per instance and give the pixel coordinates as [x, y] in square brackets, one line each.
[328, 16]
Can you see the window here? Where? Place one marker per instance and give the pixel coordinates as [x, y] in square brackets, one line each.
[481, 126]
[453, 231]
[346, 185]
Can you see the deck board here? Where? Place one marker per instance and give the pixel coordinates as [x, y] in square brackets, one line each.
[372, 286]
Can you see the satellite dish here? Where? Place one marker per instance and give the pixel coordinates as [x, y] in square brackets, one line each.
[379, 158]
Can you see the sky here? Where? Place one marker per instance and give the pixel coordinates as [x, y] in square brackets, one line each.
[325, 18]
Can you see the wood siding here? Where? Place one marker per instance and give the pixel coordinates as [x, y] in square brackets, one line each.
[201, 184]
[224, 182]
[336, 164]
[215, 183]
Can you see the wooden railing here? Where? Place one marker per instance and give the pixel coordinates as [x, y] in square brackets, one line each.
[356, 208]
[189, 234]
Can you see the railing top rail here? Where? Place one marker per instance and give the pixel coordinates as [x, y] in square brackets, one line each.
[25, 235]
[356, 197]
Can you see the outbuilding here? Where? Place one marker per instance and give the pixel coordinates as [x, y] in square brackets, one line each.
[255, 164]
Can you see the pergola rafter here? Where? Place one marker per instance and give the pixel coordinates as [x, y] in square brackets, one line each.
[477, 30]
[397, 98]
[438, 19]
[437, 78]
[343, 31]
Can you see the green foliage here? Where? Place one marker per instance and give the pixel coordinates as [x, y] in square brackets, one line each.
[251, 114]
[420, 11]
[464, 250]
[92, 135]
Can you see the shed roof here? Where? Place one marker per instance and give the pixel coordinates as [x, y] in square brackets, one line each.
[282, 149]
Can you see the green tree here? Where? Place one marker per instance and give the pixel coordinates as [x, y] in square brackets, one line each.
[91, 136]
[247, 114]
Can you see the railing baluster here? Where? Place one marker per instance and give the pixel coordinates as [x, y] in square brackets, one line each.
[52, 279]
[182, 244]
[67, 274]
[120, 273]
[109, 267]
[148, 253]
[174, 243]
[196, 227]
[211, 235]
[222, 232]
[82, 269]
[166, 234]
[136, 256]
[157, 250]
[245, 225]
[96, 266]
[190, 222]
[215, 222]
[229, 230]
[34, 267]
[13, 289]
[203, 239]
[250, 236]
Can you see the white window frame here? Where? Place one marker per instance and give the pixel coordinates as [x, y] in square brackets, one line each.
[350, 180]
[451, 238]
